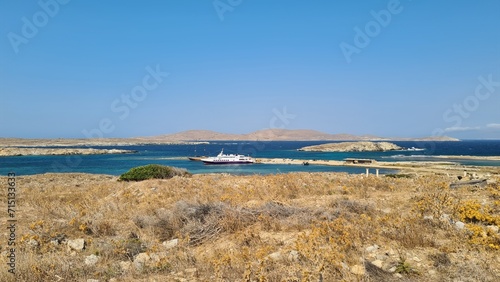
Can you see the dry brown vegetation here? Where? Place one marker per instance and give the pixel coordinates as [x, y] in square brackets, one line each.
[285, 227]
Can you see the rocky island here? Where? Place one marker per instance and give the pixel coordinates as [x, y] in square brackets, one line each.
[353, 147]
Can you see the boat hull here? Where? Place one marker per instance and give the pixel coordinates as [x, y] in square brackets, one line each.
[226, 162]
[196, 159]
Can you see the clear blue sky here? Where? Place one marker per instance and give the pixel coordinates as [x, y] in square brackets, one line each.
[388, 68]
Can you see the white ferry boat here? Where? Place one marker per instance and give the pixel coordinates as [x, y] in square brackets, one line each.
[228, 159]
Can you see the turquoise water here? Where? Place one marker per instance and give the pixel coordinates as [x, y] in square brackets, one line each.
[175, 155]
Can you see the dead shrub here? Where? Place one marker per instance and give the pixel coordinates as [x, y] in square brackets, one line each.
[411, 233]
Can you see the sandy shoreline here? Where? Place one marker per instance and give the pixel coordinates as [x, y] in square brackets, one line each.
[465, 157]
[442, 167]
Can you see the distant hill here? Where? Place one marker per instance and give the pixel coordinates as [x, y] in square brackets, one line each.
[207, 135]
[283, 135]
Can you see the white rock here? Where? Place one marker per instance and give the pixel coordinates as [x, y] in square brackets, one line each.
[432, 272]
[91, 260]
[398, 275]
[416, 259]
[276, 256]
[358, 269]
[33, 243]
[77, 244]
[492, 228]
[293, 255]
[445, 218]
[392, 269]
[171, 244]
[378, 263]
[92, 280]
[141, 259]
[428, 217]
[372, 248]
[459, 225]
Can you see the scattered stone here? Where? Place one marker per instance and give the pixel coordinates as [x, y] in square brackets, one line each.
[372, 248]
[459, 225]
[397, 275]
[358, 269]
[156, 257]
[392, 269]
[171, 244]
[77, 244]
[445, 218]
[141, 259]
[33, 243]
[191, 271]
[91, 260]
[428, 217]
[92, 280]
[416, 259]
[432, 272]
[293, 255]
[387, 210]
[378, 263]
[125, 265]
[492, 228]
[276, 256]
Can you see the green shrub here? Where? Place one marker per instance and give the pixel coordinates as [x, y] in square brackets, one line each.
[152, 171]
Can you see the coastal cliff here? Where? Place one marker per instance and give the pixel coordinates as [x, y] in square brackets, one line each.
[353, 147]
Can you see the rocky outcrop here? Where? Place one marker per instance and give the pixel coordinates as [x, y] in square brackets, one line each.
[15, 151]
[353, 147]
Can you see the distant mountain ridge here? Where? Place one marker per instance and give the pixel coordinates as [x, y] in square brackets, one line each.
[284, 135]
[207, 135]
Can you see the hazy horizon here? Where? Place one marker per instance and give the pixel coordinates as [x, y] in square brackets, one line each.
[77, 69]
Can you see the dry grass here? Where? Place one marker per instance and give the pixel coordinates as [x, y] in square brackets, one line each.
[285, 227]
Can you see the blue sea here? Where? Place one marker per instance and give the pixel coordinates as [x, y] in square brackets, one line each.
[176, 155]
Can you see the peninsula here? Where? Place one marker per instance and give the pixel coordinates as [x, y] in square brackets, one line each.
[16, 151]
